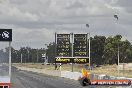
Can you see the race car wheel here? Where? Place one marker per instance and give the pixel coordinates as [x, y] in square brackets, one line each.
[84, 81]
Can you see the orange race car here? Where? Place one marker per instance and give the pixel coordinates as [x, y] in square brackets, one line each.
[85, 80]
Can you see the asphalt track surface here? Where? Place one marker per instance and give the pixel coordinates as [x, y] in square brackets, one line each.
[25, 79]
[4, 70]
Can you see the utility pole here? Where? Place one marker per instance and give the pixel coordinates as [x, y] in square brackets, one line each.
[118, 54]
[37, 56]
[28, 54]
[118, 58]
[21, 57]
[46, 53]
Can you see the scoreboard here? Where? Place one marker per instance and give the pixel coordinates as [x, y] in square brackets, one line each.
[63, 45]
[71, 48]
[80, 45]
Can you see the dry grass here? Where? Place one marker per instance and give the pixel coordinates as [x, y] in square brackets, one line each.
[110, 70]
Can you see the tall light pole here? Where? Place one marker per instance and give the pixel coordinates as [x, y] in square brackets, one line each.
[28, 54]
[46, 61]
[118, 54]
[21, 57]
[37, 56]
[87, 25]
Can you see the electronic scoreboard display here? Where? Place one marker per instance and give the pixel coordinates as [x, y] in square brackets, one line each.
[80, 45]
[64, 48]
[63, 45]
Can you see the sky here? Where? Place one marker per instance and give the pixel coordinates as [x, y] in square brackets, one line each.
[34, 22]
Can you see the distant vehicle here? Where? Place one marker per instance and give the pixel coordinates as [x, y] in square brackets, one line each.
[98, 65]
[47, 63]
[57, 63]
[70, 63]
[0, 64]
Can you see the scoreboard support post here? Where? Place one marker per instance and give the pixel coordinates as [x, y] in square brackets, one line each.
[89, 52]
[55, 48]
[72, 48]
[6, 36]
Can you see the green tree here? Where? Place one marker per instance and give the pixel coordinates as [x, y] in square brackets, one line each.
[125, 51]
[97, 48]
[51, 52]
[111, 49]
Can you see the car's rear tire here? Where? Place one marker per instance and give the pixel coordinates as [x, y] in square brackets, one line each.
[84, 81]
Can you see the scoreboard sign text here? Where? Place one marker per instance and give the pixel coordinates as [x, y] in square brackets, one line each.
[80, 60]
[63, 60]
[5, 34]
[63, 45]
[71, 60]
[80, 45]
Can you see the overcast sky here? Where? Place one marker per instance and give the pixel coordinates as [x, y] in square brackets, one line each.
[34, 22]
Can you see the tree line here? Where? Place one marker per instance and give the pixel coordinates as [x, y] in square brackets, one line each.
[23, 55]
[104, 50]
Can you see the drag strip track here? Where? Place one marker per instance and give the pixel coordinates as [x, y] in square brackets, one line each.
[24, 79]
